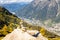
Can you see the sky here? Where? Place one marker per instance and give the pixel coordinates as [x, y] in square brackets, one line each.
[11, 1]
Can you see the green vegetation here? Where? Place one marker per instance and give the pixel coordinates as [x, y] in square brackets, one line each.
[8, 22]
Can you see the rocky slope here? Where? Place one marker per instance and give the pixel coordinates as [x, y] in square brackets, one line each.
[40, 9]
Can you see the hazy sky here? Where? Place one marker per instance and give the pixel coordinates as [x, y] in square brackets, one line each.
[10, 1]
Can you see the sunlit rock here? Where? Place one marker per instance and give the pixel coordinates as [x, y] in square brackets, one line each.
[18, 34]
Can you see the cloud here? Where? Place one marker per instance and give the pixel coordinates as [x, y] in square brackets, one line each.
[11, 1]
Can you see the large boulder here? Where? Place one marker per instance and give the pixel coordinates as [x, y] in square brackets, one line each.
[18, 34]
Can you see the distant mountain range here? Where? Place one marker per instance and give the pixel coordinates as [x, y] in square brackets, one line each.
[12, 7]
[41, 10]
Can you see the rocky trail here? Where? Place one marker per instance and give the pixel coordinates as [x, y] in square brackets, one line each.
[19, 34]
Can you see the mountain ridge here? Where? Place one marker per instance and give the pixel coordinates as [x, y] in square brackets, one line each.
[41, 8]
[12, 7]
